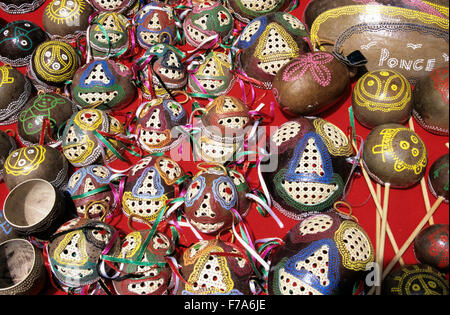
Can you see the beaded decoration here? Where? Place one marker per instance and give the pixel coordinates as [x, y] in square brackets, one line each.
[213, 76]
[333, 137]
[155, 23]
[82, 186]
[15, 91]
[210, 270]
[166, 69]
[268, 43]
[108, 35]
[207, 19]
[314, 270]
[103, 81]
[247, 10]
[52, 64]
[80, 145]
[28, 162]
[21, 6]
[75, 248]
[18, 39]
[119, 6]
[146, 280]
[149, 185]
[155, 124]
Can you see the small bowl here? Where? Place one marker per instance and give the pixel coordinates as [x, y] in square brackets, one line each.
[22, 270]
[34, 208]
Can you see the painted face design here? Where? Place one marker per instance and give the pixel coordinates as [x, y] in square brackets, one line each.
[54, 62]
[23, 161]
[213, 77]
[415, 280]
[73, 255]
[155, 23]
[80, 146]
[149, 185]
[152, 280]
[63, 11]
[109, 34]
[309, 182]
[209, 200]
[210, 269]
[18, 39]
[103, 81]
[156, 122]
[112, 5]
[207, 19]
[90, 191]
[317, 251]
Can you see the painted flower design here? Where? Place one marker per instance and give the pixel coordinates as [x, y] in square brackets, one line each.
[314, 62]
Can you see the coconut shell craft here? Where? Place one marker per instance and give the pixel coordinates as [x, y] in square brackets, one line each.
[91, 192]
[20, 6]
[207, 23]
[108, 35]
[82, 140]
[311, 83]
[223, 125]
[6, 230]
[159, 125]
[247, 10]
[418, 279]
[153, 276]
[155, 23]
[119, 6]
[52, 65]
[211, 198]
[213, 76]
[105, 81]
[312, 166]
[323, 254]
[215, 267]
[18, 40]
[381, 97]
[438, 177]
[408, 41]
[268, 43]
[149, 185]
[75, 248]
[430, 106]
[22, 268]
[7, 145]
[15, 91]
[66, 19]
[316, 7]
[431, 246]
[37, 161]
[161, 67]
[393, 154]
[45, 111]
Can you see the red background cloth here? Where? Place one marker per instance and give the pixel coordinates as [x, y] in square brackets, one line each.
[406, 206]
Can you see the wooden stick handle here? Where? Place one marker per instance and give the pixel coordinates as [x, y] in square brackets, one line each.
[380, 258]
[412, 236]
[378, 206]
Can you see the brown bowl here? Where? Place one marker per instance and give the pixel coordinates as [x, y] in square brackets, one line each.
[22, 270]
[34, 207]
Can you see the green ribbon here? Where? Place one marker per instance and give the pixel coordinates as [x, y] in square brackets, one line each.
[352, 121]
[109, 146]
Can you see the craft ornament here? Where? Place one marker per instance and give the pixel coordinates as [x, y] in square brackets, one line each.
[394, 154]
[247, 10]
[35, 161]
[18, 39]
[269, 42]
[149, 185]
[214, 267]
[91, 193]
[54, 108]
[323, 254]
[381, 97]
[431, 247]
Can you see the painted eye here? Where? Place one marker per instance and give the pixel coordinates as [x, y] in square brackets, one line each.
[22, 162]
[23, 43]
[27, 25]
[6, 32]
[48, 54]
[404, 145]
[15, 154]
[415, 152]
[56, 66]
[31, 151]
[64, 57]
